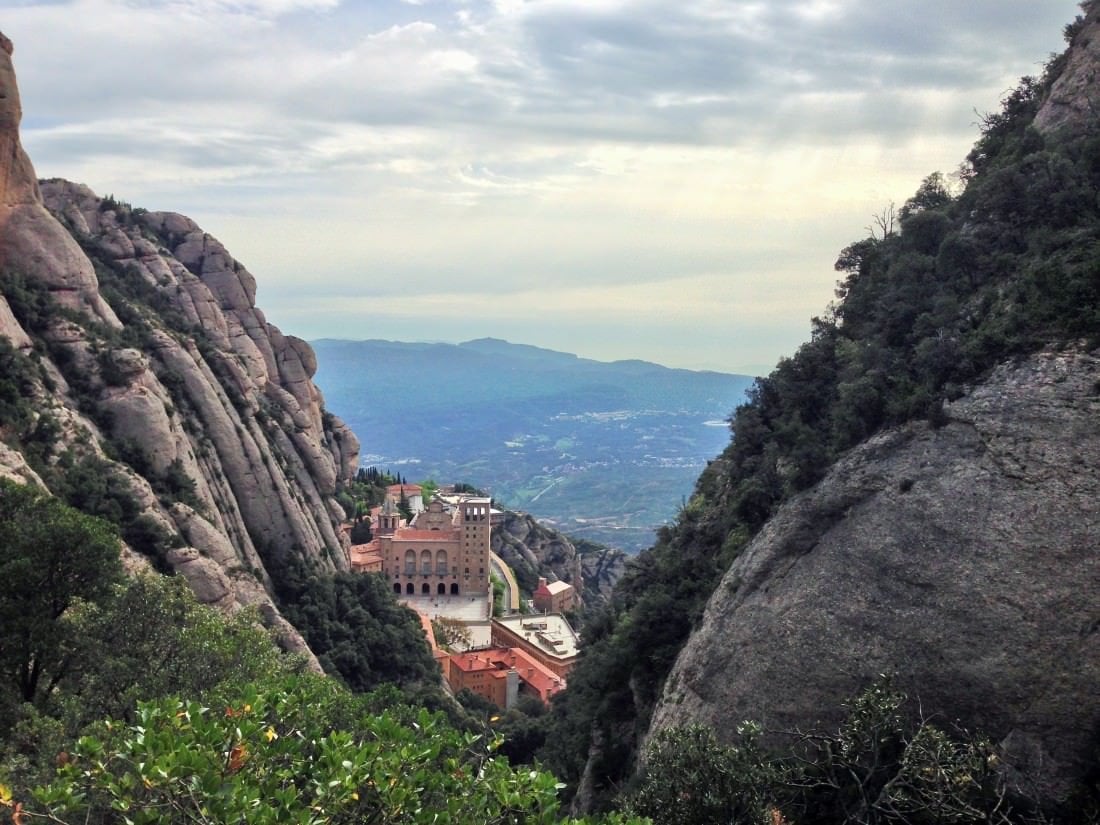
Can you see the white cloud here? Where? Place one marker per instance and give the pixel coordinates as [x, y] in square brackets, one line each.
[627, 153]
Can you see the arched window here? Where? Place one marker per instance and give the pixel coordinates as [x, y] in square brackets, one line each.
[454, 588]
[409, 589]
[426, 561]
[425, 589]
[441, 589]
[410, 562]
[441, 562]
[397, 588]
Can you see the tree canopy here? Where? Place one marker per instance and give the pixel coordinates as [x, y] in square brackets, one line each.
[51, 558]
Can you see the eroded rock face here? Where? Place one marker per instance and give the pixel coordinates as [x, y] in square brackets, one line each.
[1074, 99]
[964, 560]
[533, 550]
[31, 241]
[219, 431]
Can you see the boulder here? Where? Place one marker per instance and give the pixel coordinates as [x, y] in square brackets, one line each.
[1072, 101]
[963, 560]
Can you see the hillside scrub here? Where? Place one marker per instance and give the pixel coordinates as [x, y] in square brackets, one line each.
[149, 707]
[885, 765]
[943, 290]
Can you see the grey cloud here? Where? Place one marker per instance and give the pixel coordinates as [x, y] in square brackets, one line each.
[562, 73]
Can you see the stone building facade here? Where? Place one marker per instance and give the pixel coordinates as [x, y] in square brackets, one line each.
[443, 553]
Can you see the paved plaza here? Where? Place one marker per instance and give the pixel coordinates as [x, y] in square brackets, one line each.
[476, 612]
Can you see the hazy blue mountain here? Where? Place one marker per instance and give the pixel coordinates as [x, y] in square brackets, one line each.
[605, 450]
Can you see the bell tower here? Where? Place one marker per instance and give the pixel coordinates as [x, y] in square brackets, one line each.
[476, 526]
[389, 519]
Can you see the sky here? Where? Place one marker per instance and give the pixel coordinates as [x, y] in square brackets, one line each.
[661, 179]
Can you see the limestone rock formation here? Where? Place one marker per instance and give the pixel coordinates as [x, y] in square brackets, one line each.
[1074, 99]
[533, 550]
[31, 241]
[962, 559]
[202, 414]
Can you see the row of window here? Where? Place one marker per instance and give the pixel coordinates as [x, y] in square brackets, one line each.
[426, 568]
[425, 589]
[410, 570]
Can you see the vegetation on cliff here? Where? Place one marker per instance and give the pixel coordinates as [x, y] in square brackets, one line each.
[885, 765]
[960, 278]
[124, 700]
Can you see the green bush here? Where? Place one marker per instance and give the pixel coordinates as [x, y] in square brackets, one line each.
[272, 755]
[885, 765]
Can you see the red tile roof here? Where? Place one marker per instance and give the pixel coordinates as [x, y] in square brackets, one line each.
[498, 661]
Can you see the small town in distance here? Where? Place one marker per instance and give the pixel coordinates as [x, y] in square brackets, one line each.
[440, 564]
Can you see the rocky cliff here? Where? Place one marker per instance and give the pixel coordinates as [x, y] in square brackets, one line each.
[1074, 99]
[962, 558]
[913, 492]
[533, 550]
[151, 389]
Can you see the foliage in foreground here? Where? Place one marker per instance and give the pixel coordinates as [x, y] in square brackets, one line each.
[300, 751]
[881, 767]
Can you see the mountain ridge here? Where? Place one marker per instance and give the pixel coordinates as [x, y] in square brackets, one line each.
[602, 450]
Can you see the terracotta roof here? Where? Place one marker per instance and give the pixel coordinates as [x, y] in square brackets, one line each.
[472, 662]
[366, 555]
[537, 675]
[499, 660]
[407, 489]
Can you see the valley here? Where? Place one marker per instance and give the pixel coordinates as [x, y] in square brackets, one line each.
[601, 451]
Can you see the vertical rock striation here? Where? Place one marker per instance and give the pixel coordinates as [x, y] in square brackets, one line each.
[533, 550]
[157, 361]
[31, 241]
[1073, 103]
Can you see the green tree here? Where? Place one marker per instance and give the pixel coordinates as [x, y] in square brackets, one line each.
[273, 755]
[691, 779]
[51, 557]
[361, 532]
[354, 625]
[428, 488]
[152, 638]
[403, 505]
[451, 632]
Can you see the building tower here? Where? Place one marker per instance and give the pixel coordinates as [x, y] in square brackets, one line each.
[389, 519]
[476, 525]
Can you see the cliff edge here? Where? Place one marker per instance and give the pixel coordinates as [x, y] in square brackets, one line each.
[152, 390]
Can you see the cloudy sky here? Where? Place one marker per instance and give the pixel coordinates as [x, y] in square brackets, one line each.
[660, 179]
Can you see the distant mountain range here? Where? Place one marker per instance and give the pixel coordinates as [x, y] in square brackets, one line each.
[603, 450]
